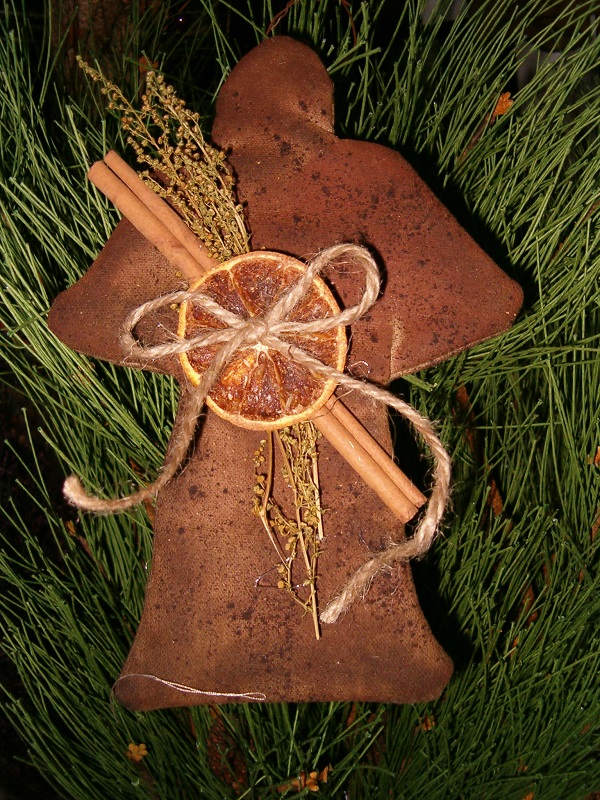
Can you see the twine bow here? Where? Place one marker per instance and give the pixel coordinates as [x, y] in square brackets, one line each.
[267, 330]
[243, 332]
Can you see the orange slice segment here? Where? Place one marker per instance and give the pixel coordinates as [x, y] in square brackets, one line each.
[260, 387]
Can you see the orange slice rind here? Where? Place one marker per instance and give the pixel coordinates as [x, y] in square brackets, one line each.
[259, 387]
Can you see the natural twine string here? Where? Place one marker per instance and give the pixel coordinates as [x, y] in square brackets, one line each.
[268, 331]
[182, 687]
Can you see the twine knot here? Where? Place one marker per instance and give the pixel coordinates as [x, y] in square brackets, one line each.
[256, 330]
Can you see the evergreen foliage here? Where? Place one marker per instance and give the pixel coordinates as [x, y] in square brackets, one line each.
[510, 589]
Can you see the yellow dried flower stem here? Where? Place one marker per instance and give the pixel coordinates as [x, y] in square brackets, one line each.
[302, 534]
[166, 137]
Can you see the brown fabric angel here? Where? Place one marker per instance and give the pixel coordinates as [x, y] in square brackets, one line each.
[215, 628]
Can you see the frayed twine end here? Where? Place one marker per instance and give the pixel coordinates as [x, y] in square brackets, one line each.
[74, 492]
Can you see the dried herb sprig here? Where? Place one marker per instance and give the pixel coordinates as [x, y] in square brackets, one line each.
[297, 538]
[182, 166]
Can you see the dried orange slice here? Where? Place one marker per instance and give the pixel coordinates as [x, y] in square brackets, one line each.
[260, 387]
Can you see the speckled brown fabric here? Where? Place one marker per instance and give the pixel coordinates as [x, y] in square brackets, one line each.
[306, 189]
[212, 618]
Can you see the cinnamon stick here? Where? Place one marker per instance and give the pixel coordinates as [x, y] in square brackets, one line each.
[369, 470]
[151, 226]
[162, 227]
[357, 431]
[162, 211]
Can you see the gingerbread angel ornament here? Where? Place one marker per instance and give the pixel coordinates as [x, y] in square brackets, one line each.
[225, 618]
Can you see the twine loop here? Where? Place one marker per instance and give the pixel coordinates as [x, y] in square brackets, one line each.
[267, 331]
